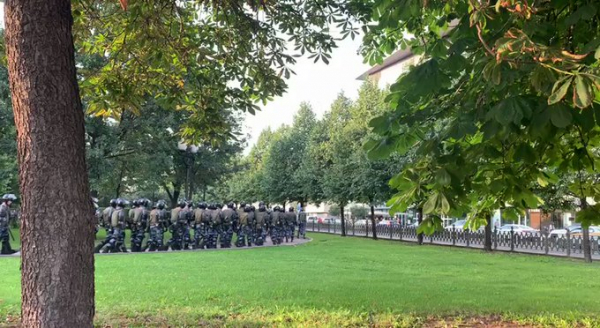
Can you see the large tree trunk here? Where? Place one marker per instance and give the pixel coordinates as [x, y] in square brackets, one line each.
[57, 232]
[373, 223]
[585, 243]
[343, 220]
[487, 242]
[420, 236]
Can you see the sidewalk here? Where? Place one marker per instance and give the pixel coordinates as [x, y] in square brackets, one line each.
[267, 243]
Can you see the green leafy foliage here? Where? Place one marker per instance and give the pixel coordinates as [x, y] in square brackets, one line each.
[8, 160]
[493, 128]
[201, 57]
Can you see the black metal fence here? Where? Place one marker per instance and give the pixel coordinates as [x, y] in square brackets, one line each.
[570, 245]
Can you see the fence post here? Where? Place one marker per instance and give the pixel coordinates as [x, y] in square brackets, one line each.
[453, 235]
[353, 225]
[467, 232]
[391, 231]
[495, 237]
[319, 226]
[512, 239]
[334, 226]
[400, 234]
[367, 229]
[546, 241]
[313, 225]
[568, 243]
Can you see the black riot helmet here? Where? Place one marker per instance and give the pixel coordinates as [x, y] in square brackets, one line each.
[202, 205]
[247, 208]
[113, 203]
[261, 207]
[181, 204]
[212, 206]
[243, 205]
[135, 203]
[276, 209]
[231, 205]
[252, 208]
[261, 204]
[122, 202]
[218, 206]
[291, 209]
[161, 204]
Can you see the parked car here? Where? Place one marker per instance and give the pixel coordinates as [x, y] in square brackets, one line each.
[312, 219]
[331, 220]
[458, 225]
[362, 223]
[563, 232]
[517, 228]
[578, 232]
[387, 223]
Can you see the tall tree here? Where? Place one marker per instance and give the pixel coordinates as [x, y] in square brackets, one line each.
[53, 177]
[313, 164]
[337, 179]
[276, 166]
[370, 178]
[301, 130]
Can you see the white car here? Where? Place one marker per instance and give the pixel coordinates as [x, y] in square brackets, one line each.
[517, 228]
[458, 225]
[362, 223]
[575, 228]
[387, 223]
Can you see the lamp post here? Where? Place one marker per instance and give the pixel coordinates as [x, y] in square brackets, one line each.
[189, 150]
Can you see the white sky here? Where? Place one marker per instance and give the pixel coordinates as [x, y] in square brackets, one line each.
[318, 84]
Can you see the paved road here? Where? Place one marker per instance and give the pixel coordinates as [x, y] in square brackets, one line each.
[267, 243]
[537, 248]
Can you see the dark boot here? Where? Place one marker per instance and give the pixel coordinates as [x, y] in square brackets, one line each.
[6, 249]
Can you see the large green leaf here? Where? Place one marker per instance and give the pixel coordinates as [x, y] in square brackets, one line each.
[582, 94]
[560, 90]
[442, 177]
[525, 153]
[560, 116]
[430, 204]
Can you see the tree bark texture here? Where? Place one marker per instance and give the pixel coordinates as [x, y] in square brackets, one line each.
[487, 242]
[373, 223]
[57, 216]
[343, 220]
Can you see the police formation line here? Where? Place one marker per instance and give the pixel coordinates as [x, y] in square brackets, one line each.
[203, 226]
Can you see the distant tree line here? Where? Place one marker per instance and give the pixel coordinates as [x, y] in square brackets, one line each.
[318, 160]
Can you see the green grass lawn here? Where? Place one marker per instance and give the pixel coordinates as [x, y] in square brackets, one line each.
[333, 281]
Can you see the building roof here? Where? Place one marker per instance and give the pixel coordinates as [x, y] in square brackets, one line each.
[401, 55]
[396, 57]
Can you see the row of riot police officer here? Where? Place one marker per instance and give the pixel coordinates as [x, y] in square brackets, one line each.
[212, 225]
